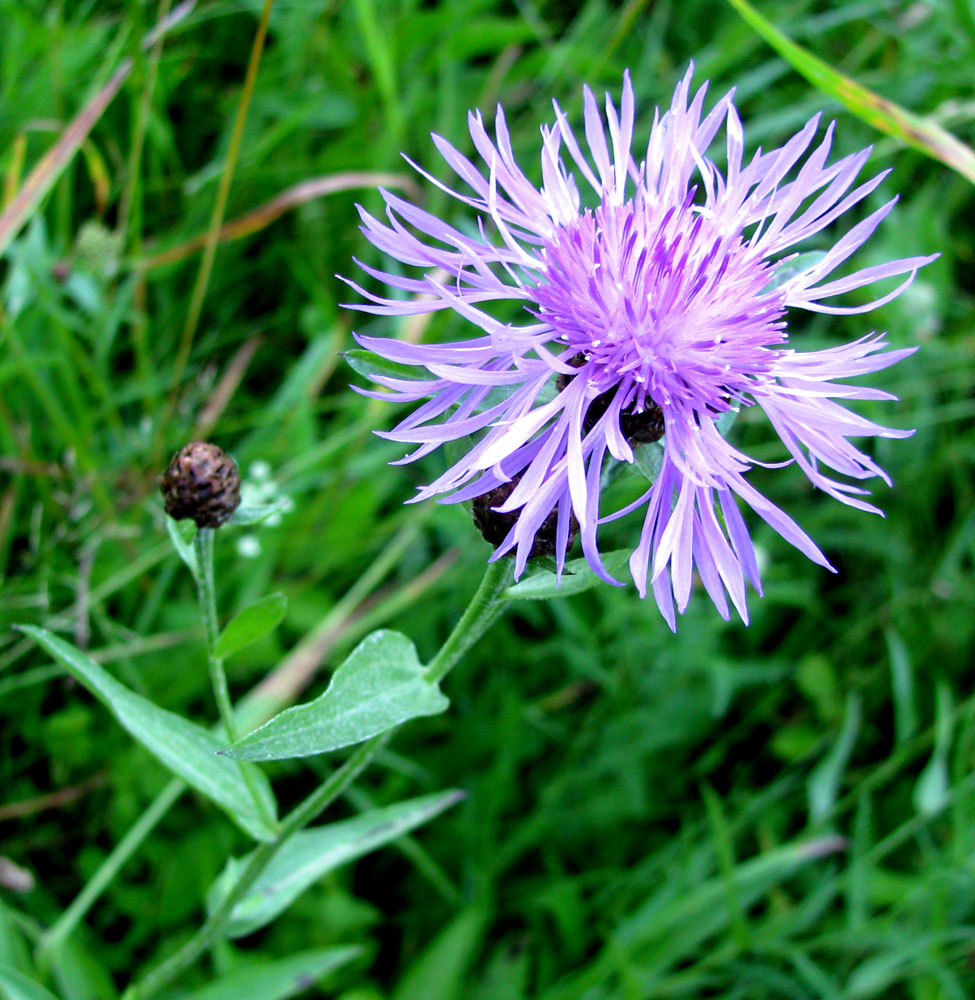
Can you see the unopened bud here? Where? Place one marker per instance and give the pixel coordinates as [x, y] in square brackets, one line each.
[201, 483]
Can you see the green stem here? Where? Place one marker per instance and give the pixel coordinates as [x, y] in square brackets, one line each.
[206, 589]
[107, 871]
[203, 543]
[300, 817]
[484, 608]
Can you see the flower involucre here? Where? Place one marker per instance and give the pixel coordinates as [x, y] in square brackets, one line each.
[661, 307]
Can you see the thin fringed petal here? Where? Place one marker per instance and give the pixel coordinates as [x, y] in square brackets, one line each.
[636, 322]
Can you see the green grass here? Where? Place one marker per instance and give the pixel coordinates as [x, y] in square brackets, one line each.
[640, 806]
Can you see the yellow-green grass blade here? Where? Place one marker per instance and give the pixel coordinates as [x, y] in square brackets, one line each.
[882, 114]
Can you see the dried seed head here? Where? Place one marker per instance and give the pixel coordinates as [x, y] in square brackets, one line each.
[201, 483]
[494, 525]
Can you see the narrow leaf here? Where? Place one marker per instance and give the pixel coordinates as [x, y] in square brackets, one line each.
[181, 534]
[251, 624]
[255, 514]
[441, 968]
[369, 365]
[188, 750]
[913, 130]
[286, 977]
[577, 578]
[310, 854]
[932, 791]
[824, 782]
[379, 686]
[15, 985]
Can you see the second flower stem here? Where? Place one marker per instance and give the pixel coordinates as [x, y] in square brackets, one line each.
[206, 590]
[208, 612]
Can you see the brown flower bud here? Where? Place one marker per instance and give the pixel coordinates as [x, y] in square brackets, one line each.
[201, 483]
[494, 525]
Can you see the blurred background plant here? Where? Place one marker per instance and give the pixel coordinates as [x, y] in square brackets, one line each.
[638, 803]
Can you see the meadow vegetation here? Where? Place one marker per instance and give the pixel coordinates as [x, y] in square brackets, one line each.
[784, 810]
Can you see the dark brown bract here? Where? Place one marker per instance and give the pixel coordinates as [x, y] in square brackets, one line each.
[643, 427]
[201, 483]
[494, 525]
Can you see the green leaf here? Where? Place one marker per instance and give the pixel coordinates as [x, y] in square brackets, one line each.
[369, 365]
[310, 854]
[251, 624]
[441, 969]
[379, 686]
[254, 514]
[876, 111]
[13, 947]
[649, 459]
[78, 973]
[15, 985]
[932, 791]
[286, 977]
[577, 578]
[824, 782]
[188, 750]
[788, 269]
[182, 533]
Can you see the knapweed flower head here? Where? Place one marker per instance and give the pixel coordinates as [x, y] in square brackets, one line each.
[648, 309]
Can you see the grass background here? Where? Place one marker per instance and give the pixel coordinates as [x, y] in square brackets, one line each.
[637, 801]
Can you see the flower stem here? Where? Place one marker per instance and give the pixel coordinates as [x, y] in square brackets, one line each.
[206, 589]
[203, 542]
[485, 607]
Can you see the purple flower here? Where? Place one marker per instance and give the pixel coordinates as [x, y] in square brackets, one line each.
[658, 304]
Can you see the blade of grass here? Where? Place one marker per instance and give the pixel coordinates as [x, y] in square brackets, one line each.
[56, 159]
[878, 112]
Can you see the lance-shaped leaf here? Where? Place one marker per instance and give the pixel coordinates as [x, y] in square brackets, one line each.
[251, 624]
[188, 750]
[379, 686]
[370, 365]
[310, 854]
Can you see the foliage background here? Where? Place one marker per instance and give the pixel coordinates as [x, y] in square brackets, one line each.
[626, 788]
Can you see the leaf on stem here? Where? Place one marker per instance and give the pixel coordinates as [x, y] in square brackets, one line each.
[251, 624]
[379, 686]
[369, 365]
[188, 750]
[312, 853]
[577, 577]
[181, 534]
